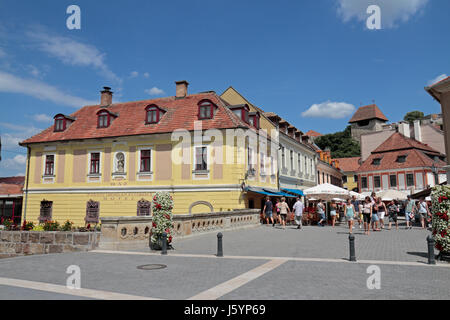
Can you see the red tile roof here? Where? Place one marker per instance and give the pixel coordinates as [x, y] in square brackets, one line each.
[181, 114]
[349, 164]
[397, 141]
[312, 133]
[11, 185]
[368, 112]
[399, 145]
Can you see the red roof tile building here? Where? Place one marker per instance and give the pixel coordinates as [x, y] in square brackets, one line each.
[349, 167]
[401, 163]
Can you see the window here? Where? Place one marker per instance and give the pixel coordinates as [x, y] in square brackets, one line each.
[103, 119]
[249, 158]
[355, 178]
[92, 212]
[272, 168]
[254, 120]
[49, 165]
[242, 112]
[401, 159]
[143, 207]
[60, 123]
[95, 163]
[393, 180]
[306, 166]
[377, 181]
[145, 161]
[205, 110]
[344, 179]
[262, 165]
[364, 182]
[46, 211]
[376, 161]
[292, 160]
[152, 114]
[299, 162]
[410, 180]
[283, 158]
[201, 159]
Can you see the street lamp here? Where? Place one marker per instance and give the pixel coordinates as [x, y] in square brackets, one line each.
[434, 169]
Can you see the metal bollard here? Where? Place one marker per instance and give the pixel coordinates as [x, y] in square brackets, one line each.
[164, 243]
[430, 241]
[219, 245]
[351, 239]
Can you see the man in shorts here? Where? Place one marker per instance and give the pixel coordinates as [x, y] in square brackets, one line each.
[393, 210]
[268, 211]
[409, 214]
[424, 212]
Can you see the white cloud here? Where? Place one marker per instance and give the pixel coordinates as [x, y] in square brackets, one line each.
[38, 89]
[146, 75]
[42, 118]
[329, 109]
[154, 91]
[34, 71]
[134, 74]
[437, 79]
[16, 163]
[73, 53]
[392, 11]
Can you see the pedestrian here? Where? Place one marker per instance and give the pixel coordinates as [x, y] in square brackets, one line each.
[375, 219]
[349, 210]
[409, 212]
[268, 211]
[298, 209]
[381, 211]
[424, 212]
[367, 214]
[284, 210]
[393, 214]
[356, 205]
[333, 207]
[321, 212]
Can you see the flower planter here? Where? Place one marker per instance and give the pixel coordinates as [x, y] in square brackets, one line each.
[444, 256]
[440, 222]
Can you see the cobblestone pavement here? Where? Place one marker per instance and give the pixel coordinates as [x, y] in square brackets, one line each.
[262, 263]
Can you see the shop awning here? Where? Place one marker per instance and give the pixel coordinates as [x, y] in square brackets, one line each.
[269, 192]
[294, 191]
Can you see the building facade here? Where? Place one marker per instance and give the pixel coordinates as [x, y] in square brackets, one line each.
[11, 198]
[367, 119]
[110, 159]
[349, 168]
[403, 164]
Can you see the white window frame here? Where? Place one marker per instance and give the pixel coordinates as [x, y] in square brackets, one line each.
[144, 176]
[195, 173]
[49, 179]
[94, 175]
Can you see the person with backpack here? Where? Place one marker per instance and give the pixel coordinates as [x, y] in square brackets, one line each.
[284, 210]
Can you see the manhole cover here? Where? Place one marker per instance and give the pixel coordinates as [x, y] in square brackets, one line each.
[152, 266]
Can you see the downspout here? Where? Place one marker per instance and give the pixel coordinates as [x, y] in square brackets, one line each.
[26, 185]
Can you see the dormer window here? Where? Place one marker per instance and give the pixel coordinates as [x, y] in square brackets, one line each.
[241, 111]
[154, 114]
[254, 119]
[105, 118]
[376, 161]
[401, 159]
[205, 110]
[62, 122]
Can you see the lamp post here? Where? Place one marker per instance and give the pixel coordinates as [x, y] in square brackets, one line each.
[434, 170]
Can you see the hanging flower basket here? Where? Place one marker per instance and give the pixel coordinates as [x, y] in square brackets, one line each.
[440, 224]
[162, 206]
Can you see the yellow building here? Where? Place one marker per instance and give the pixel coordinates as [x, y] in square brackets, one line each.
[349, 167]
[110, 159]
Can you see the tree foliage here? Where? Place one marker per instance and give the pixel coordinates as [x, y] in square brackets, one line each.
[413, 115]
[340, 143]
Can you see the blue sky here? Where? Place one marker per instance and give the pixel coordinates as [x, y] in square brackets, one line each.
[284, 56]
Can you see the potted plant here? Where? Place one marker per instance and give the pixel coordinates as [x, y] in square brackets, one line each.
[440, 222]
[162, 206]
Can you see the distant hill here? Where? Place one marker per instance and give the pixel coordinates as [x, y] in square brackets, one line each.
[340, 144]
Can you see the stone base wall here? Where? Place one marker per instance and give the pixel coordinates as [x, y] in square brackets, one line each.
[34, 242]
[120, 233]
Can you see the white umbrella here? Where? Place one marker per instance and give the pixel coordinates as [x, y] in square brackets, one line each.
[392, 194]
[326, 191]
[357, 195]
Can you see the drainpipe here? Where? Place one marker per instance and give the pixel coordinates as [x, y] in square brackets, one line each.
[26, 186]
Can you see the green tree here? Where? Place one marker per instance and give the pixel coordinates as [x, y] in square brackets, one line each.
[341, 144]
[413, 115]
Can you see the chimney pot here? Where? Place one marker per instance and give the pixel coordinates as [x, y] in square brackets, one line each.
[106, 96]
[181, 88]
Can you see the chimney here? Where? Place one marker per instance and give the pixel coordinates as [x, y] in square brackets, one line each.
[403, 128]
[417, 131]
[181, 89]
[106, 97]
